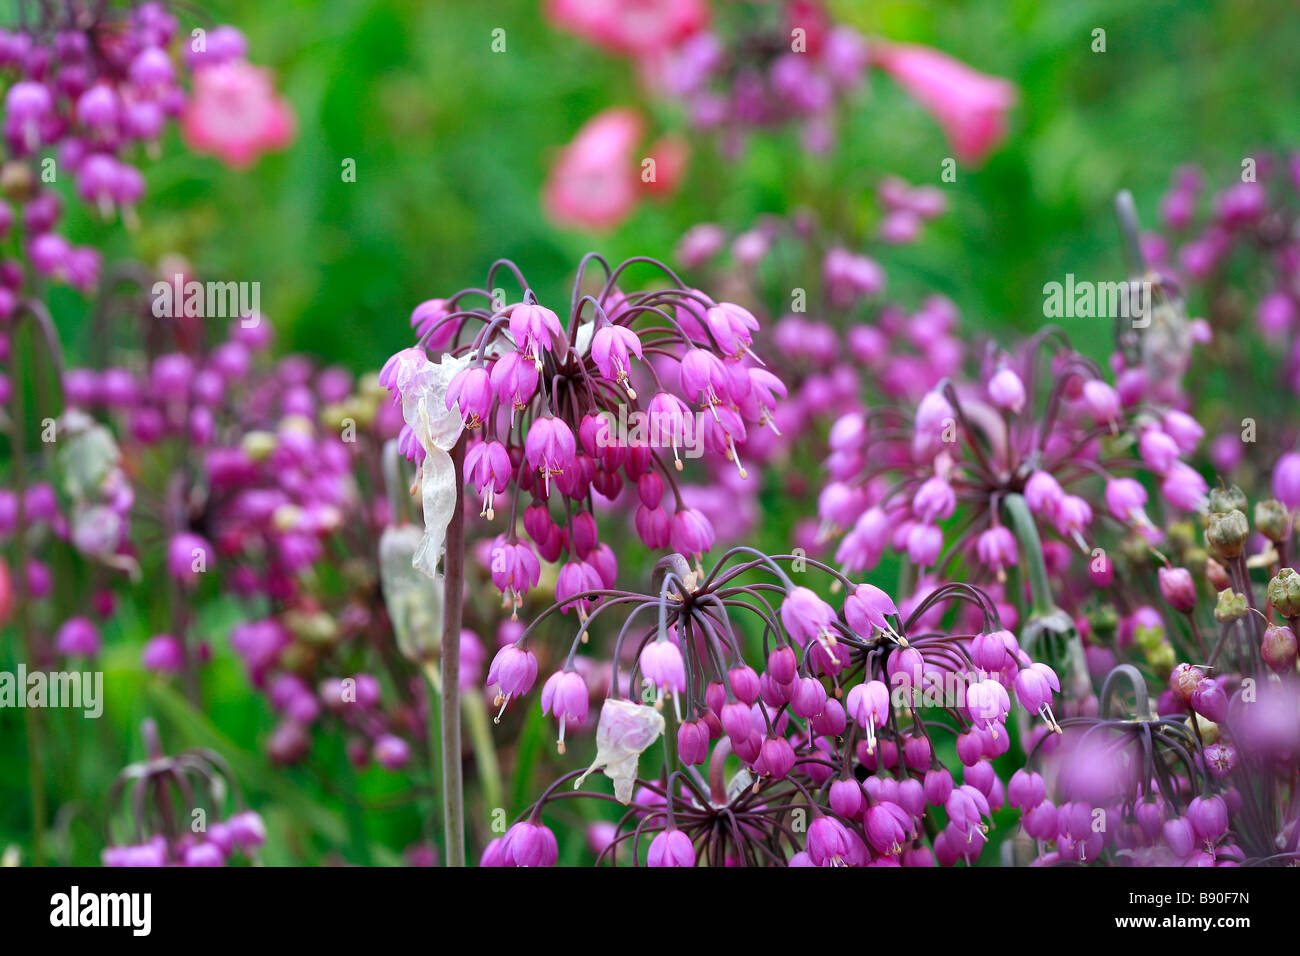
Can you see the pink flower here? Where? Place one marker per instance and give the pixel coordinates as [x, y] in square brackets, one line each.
[690, 532]
[828, 842]
[671, 848]
[1007, 391]
[528, 844]
[996, 549]
[487, 466]
[514, 377]
[610, 348]
[806, 616]
[662, 665]
[566, 698]
[1034, 686]
[235, 114]
[731, 326]
[868, 705]
[1101, 400]
[534, 328]
[633, 27]
[512, 672]
[515, 569]
[1286, 480]
[163, 654]
[471, 389]
[866, 609]
[550, 447]
[670, 154]
[576, 577]
[593, 184]
[77, 636]
[970, 106]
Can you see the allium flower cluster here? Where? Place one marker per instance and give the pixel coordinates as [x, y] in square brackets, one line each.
[169, 821]
[568, 418]
[836, 729]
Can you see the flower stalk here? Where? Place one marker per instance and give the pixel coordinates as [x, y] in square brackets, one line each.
[453, 789]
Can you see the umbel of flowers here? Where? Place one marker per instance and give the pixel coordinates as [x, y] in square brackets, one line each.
[531, 411]
[1202, 773]
[176, 808]
[836, 724]
[603, 405]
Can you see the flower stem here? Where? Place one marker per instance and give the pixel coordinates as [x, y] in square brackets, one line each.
[1017, 517]
[35, 745]
[453, 788]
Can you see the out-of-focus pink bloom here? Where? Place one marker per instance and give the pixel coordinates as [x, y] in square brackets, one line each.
[971, 106]
[632, 27]
[670, 154]
[593, 184]
[235, 114]
[163, 654]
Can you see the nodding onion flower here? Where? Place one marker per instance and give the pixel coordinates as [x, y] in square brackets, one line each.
[565, 408]
[163, 796]
[831, 712]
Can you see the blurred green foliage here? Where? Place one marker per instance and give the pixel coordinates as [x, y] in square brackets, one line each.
[452, 143]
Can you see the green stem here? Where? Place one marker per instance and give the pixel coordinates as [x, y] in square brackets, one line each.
[1017, 516]
[435, 731]
[453, 787]
[35, 743]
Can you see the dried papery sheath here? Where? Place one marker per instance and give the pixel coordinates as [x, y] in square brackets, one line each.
[414, 607]
[625, 730]
[437, 428]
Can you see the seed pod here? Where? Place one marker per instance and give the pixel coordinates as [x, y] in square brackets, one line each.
[1231, 607]
[1273, 520]
[1227, 533]
[1224, 500]
[1284, 593]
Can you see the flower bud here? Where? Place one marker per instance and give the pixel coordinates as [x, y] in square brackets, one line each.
[1279, 648]
[1210, 700]
[1177, 587]
[1183, 682]
[1227, 533]
[1284, 593]
[1217, 575]
[1273, 520]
